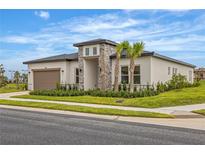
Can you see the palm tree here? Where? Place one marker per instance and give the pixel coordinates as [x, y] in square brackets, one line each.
[119, 48]
[134, 51]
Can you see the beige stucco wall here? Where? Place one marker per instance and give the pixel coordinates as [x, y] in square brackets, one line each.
[90, 74]
[48, 65]
[145, 68]
[67, 71]
[70, 71]
[159, 70]
[152, 70]
[91, 50]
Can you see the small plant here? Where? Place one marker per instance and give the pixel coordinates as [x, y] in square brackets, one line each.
[177, 82]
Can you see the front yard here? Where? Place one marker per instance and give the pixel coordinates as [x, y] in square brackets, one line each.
[11, 88]
[185, 96]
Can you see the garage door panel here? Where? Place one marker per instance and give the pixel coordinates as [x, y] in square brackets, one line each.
[46, 79]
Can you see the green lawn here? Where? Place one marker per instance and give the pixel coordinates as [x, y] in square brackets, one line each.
[202, 111]
[10, 88]
[184, 96]
[77, 108]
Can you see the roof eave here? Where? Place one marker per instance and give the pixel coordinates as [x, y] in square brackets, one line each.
[45, 61]
[172, 60]
[95, 42]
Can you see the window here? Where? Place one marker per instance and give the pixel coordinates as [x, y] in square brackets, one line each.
[124, 74]
[174, 71]
[76, 75]
[94, 50]
[87, 51]
[137, 75]
[201, 75]
[169, 70]
[190, 76]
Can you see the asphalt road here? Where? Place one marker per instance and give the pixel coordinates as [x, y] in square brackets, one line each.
[25, 127]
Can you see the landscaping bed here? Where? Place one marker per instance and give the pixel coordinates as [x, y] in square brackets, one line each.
[76, 108]
[177, 82]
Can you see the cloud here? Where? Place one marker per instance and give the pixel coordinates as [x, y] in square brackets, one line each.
[162, 31]
[96, 23]
[42, 14]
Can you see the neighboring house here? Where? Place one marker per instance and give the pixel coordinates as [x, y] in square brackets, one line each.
[199, 73]
[93, 67]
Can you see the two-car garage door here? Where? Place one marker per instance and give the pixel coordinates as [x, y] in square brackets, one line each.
[46, 79]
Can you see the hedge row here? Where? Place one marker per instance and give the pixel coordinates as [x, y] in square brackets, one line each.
[177, 82]
[99, 93]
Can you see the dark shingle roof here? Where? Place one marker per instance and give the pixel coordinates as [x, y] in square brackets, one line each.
[95, 41]
[124, 54]
[67, 57]
[154, 54]
[74, 56]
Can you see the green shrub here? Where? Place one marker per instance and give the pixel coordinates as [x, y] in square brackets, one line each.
[97, 92]
[177, 82]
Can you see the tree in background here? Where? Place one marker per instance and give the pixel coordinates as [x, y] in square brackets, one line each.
[3, 79]
[17, 77]
[24, 78]
[134, 51]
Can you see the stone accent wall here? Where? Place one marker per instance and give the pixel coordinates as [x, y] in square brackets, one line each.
[104, 80]
[81, 67]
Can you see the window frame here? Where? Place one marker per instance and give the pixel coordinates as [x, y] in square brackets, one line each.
[137, 75]
[87, 51]
[124, 75]
[95, 51]
[190, 75]
[77, 75]
[174, 71]
[169, 70]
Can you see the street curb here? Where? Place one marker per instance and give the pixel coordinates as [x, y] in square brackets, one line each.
[191, 123]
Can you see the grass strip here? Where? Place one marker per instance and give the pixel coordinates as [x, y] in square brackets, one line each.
[202, 111]
[76, 108]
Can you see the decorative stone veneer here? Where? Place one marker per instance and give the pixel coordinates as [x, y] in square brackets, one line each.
[105, 78]
[104, 67]
[81, 67]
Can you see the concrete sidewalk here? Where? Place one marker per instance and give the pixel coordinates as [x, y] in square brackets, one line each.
[178, 111]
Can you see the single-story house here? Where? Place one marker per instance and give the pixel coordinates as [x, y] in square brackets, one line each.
[199, 73]
[93, 67]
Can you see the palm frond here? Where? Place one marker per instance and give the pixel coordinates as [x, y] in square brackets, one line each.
[121, 46]
[138, 49]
